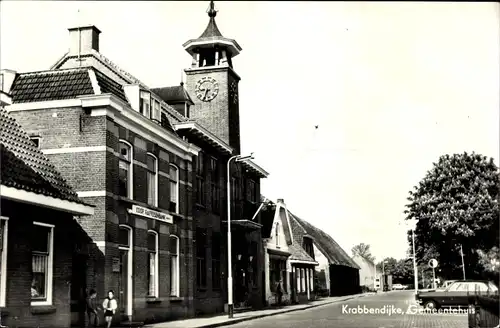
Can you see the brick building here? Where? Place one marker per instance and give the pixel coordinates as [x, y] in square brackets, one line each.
[289, 256]
[111, 138]
[209, 105]
[39, 239]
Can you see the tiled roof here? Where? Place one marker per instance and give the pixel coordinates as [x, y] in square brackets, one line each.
[172, 95]
[332, 251]
[61, 84]
[24, 166]
[299, 254]
[51, 85]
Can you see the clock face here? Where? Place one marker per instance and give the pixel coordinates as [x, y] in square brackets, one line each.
[234, 92]
[207, 88]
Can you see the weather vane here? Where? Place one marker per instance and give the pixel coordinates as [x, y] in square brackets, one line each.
[211, 10]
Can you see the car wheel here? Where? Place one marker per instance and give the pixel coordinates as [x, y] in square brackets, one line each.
[430, 305]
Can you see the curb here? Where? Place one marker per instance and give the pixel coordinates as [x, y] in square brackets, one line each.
[259, 316]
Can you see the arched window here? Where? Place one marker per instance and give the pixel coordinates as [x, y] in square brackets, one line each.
[153, 286]
[126, 243]
[174, 265]
[125, 174]
[152, 179]
[174, 189]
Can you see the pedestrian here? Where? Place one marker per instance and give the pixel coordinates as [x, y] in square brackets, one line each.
[92, 309]
[110, 307]
[279, 292]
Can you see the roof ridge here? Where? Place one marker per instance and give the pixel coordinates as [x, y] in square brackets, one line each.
[57, 70]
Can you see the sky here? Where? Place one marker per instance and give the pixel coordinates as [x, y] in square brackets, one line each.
[392, 86]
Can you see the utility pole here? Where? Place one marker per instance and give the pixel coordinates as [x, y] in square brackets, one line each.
[415, 269]
[463, 265]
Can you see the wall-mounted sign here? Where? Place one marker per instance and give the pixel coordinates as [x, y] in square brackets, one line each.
[146, 212]
[116, 264]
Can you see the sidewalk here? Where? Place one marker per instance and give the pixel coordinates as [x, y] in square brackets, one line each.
[223, 320]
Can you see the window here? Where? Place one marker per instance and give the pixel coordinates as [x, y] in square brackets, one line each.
[201, 265]
[307, 245]
[303, 280]
[311, 280]
[174, 189]
[156, 114]
[145, 104]
[164, 121]
[42, 241]
[36, 141]
[174, 266]
[297, 276]
[200, 179]
[3, 259]
[251, 191]
[216, 267]
[153, 264]
[152, 179]
[214, 185]
[125, 177]
[277, 234]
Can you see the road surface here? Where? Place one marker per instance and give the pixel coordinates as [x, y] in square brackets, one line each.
[395, 309]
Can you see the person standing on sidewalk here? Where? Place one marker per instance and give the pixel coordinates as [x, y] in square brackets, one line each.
[279, 292]
[110, 305]
[92, 309]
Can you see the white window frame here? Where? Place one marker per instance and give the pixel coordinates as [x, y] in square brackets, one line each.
[146, 100]
[156, 268]
[33, 138]
[50, 266]
[303, 281]
[155, 200]
[175, 292]
[311, 280]
[130, 169]
[177, 186]
[130, 267]
[156, 109]
[3, 267]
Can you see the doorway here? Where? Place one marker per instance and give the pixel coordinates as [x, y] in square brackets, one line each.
[125, 279]
[78, 290]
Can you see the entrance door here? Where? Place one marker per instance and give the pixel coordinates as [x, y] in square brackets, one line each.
[78, 290]
[123, 282]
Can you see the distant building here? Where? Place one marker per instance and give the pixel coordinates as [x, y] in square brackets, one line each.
[41, 245]
[367, 272]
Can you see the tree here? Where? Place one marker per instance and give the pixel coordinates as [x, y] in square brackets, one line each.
[456, 204]
[363, 250]
[388, 267]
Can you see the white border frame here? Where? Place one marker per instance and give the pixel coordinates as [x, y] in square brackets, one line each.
[176, 292]
[131, 169]
[50, 266]
[155, 200]
[130, 249]
[3, 268]
[157, 280]
[177, 207]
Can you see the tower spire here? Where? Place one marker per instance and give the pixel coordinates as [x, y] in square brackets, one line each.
[211, 10]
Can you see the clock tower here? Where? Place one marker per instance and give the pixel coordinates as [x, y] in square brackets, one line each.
[213, 84]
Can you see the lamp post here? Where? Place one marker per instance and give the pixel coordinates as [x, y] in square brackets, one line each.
[413, 225]
[230, 306]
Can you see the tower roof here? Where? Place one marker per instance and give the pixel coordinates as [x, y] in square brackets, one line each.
[212, 37]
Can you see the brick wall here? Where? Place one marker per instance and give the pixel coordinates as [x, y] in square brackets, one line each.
[67, 238]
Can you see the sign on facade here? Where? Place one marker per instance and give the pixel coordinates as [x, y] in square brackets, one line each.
[433, 263]
[146, 212]
[116, 264]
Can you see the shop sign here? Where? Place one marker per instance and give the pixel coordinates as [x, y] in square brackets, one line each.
[146, 212]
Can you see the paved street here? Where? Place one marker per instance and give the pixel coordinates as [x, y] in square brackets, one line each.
[335, 315]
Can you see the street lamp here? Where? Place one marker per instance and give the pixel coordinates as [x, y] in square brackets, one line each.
[230, 306]
[412, 224]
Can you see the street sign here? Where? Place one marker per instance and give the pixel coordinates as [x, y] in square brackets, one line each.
[433, 263]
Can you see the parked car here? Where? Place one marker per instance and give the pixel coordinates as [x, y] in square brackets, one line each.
[445, 285]
[398, 287]
[456, 294]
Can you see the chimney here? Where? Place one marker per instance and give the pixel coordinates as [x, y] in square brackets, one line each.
[83, 39]
[280, 201]
[7, 78]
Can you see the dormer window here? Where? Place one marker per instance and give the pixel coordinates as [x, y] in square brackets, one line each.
[277, 234]
[156, 113]
[145, 103]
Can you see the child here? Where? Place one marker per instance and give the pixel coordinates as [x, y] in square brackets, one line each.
[110, 307]
[92, 309]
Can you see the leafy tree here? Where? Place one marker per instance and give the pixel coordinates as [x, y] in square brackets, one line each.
[390, 264]
[455, 204]
[363, 250]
